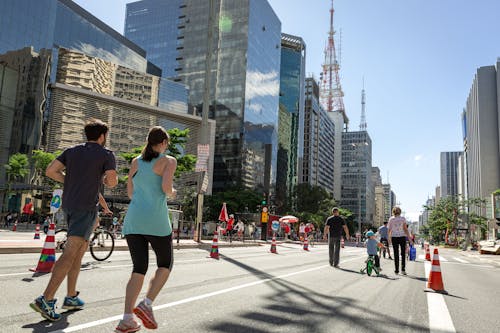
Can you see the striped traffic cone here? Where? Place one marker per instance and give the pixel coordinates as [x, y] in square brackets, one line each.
[306, 244]
[273, 245]
[48, 256]
[214, 252]
[37, 232]
[14, 228]
[435, 280]
[427, 252]
[342, 242]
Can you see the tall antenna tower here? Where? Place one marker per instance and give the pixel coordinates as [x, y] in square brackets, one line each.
[331, 95]
[362, 124]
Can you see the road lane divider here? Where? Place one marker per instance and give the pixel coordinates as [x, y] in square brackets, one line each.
[199, 297]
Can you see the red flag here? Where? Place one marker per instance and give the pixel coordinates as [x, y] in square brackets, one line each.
[223, 213]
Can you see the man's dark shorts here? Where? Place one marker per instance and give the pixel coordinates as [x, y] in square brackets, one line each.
[80, 222]
[384, 241]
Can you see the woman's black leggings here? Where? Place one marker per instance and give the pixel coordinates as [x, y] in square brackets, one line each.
[139, 251]
[399, 243]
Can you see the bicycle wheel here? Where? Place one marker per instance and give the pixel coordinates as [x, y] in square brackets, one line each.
[102, 245]
[369, 267]
[61, 236]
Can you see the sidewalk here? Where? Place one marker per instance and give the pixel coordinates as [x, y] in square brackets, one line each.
[23, 242]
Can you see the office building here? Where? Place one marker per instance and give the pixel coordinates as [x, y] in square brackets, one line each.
[244, 86]
[450, 173]
[318, 146]
[290, 129]
[356, 194]
[481, 136]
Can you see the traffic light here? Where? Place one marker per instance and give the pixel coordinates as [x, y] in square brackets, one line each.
[263, 203]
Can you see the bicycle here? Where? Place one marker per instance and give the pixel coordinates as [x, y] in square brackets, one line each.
[102, 242]
[370, 266]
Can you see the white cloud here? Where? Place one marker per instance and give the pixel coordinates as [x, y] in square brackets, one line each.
[418, 157]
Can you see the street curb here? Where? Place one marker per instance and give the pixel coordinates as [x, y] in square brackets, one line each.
[18, 250]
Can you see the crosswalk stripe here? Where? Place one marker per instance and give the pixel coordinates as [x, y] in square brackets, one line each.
[461, 260]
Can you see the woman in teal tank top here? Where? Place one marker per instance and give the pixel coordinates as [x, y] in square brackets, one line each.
[150, 181]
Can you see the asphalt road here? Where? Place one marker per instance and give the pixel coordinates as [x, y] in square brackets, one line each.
[252, 290]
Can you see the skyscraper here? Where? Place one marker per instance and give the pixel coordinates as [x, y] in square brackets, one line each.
[482, 139]
[291, 128]
[450, 173]
[244, 79]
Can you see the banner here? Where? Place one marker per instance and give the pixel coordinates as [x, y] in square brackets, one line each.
[56, 201]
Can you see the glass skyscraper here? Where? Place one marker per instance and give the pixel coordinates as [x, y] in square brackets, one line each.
[244, 82]
[292, 78]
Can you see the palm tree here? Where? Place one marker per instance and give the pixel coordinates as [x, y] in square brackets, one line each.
[16, 169]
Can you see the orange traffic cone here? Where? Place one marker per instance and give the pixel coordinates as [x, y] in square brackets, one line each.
[306, 244]
[37, 232]
[342, 242]
[435, 280]
[14, 228]
[214, 252]
[427, 252]
[273, 245]
[48, 256]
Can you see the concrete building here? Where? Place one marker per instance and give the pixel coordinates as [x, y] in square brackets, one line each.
[356, 169]
[481, 126]
[319, 134]
[450, 173]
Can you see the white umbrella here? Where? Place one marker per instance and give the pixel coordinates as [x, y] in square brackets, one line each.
[289, 219]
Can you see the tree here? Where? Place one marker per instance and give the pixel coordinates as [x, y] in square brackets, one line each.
[449, 212]
[236, 199]
[178, 139]
[40, 160]
[16, 169]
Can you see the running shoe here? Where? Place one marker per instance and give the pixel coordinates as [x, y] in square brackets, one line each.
[46, 308]
[127, 326]
[145, 314]
[73, 303]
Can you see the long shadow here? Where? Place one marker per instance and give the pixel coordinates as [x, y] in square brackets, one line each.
[314, 309]
[44, 325]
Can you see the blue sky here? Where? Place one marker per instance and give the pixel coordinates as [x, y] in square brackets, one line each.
[418, 59]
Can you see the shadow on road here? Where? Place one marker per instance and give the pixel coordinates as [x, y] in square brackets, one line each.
[295, 308]
[47, 326]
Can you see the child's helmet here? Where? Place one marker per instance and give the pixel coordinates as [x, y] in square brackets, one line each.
[370, 233]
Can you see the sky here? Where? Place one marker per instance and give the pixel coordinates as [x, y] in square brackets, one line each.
[418, 59]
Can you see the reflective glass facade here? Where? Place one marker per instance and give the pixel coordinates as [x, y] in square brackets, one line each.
[62, 23]
[292, 100]
[244, 89]
[153, 24]
[173, 96]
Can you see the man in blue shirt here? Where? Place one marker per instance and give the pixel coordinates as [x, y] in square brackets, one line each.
[384, 238]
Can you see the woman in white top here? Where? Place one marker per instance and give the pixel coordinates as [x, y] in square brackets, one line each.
[398, 231]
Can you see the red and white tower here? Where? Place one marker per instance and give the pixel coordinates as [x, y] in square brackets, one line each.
[331, 94]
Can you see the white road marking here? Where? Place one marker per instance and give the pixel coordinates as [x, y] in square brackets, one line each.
[439, 317]
[461, 260]
[196, 298]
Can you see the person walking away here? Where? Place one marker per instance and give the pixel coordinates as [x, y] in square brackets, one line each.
[384, 238]
[240, 227]
[333, 230]
[82, 169]
[46, 224]
[229, 227]
[150, 181]
[372, 246]
[398, 231]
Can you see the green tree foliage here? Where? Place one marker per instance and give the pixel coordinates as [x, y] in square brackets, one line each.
[236, 199]
[446, 215]
[40, 160]
[178, 139]
[17, 167]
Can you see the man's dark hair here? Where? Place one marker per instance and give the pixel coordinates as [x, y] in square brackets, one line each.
[385, 222]
[94, 128]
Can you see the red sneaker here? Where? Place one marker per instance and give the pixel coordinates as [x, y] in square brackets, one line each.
[145, 313]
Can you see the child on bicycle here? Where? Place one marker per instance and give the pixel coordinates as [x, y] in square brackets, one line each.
[372, 246]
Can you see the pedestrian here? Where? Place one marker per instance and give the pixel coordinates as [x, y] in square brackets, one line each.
[46, 224]
[240, 228]
[8, 219]
[333, 229]
[82, 169]
[302, 230]
[384, 238]
[398, 231]
[147, 221]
